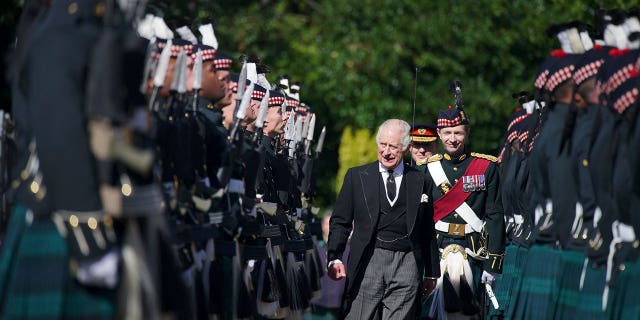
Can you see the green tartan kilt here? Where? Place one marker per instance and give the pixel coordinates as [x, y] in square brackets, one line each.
[624, 298]
[572, 265]
[590, 304]
[514, 298]
[505, 282]
[35, 282]
[540, 284]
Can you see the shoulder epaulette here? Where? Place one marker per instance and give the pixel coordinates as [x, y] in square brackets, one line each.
[434, 158]
[484, 156]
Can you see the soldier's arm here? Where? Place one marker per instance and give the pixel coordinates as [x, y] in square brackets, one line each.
[431, 255]
[494, 219]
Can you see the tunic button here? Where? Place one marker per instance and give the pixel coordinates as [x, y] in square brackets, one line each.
[73, 8]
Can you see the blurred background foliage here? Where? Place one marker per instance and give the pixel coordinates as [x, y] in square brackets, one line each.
[358, 60]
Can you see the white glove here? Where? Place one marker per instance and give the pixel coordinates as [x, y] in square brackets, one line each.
[488, 277]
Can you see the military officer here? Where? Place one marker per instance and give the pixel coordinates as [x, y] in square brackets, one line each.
[423, 144]
[468, 215]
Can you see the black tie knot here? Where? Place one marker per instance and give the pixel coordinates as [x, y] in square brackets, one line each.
[391, 186]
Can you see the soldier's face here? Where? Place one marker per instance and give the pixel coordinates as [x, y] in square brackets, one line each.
[223, 76]
[422, 150]
[390, 148]
[274, 125]
[252, 111]
[212, 88]
[168, 78]
[227, 114]
[228, 97]
[454, 138]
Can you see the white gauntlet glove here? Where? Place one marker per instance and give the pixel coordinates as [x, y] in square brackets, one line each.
[488, 277]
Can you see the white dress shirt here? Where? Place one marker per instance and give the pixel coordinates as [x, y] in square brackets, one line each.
[397, 174]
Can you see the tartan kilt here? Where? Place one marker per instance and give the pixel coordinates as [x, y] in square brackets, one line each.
[540, 284]
[35, 282]
[590, 306]
[572, 265]
[516, 285]
[505, 282]
[624, 298]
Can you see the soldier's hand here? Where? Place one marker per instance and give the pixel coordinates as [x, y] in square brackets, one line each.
[488, 277]
[337, 271]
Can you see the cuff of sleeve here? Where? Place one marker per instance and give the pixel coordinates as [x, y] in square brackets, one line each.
[333, 261]
[494, 263]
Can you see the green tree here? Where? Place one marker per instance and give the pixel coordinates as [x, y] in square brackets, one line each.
[356, 148]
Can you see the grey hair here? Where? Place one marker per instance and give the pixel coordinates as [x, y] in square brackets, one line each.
[399, 126]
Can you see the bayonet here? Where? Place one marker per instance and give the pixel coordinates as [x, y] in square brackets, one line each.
[321, 140]
[197, 79]
[298, 130]
[181, 62]
[289, 135]
[148, 64]
[305, 126]
[161, 72]
[312, 126]
[175, 81]
[242, 82]
[289, 128]
[262, 116]
[241, 111]
[310, 130]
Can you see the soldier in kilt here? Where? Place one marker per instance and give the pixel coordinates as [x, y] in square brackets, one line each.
[37, 278]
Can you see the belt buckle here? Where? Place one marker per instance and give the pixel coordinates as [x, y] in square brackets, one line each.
[456, 229]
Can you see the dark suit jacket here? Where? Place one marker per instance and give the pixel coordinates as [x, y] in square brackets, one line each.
[359, 202]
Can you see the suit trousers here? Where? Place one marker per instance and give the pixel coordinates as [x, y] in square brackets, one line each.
[389, 288]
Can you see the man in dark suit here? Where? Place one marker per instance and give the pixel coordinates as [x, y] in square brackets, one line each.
[392, 245]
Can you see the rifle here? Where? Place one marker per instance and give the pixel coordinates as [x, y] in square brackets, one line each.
[262, 116]
[224, 173]
[310, 130]
[197, 80]
[160, 74]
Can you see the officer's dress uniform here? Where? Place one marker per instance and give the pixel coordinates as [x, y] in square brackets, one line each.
[455, 236]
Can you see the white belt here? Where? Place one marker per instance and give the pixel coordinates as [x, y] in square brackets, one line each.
[621, 233]
[464, 210]
[444, 227]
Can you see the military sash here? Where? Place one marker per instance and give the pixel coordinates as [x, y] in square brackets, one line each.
[454, 200]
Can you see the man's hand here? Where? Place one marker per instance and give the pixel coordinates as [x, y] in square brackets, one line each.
[428, 284]
[336, 271]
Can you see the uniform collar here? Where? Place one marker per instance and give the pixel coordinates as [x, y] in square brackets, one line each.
[458, 159]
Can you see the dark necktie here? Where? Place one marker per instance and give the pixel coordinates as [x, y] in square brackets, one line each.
[391, 186]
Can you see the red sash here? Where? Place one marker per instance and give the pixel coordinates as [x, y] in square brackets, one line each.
[451, 200]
